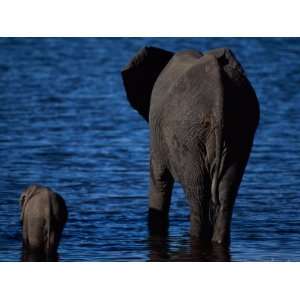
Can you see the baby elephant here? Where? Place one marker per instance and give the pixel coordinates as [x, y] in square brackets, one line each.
[43, 216]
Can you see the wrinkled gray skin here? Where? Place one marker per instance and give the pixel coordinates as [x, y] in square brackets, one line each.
[43, 216]
[203, 114]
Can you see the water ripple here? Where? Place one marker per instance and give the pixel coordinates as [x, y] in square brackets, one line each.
[65, 123]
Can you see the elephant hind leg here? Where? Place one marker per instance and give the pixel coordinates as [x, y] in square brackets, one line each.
[33, 234]
[161, 185]
[228, 189]
[198, 194]
[52, 241]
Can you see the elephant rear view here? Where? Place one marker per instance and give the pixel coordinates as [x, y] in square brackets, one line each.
[43, 216]
[203, 114]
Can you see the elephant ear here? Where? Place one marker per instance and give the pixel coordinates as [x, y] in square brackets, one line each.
[23, 199]
[229, 63]
[26, 196]
[140, 75]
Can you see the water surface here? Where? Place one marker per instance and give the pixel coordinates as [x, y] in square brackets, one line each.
[65, 123]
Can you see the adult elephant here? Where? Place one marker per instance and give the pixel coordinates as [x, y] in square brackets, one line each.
[203, 114]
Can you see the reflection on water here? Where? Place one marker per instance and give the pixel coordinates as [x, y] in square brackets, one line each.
[65, 123]
[38, 257]
[190, 250]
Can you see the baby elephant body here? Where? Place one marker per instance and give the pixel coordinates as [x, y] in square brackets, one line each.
[43, 216]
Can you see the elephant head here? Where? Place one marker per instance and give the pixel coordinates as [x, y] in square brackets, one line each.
[140, 75]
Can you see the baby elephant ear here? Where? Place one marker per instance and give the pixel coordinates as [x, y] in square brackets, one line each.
[25, 197]
[140, 75]
[22, 201]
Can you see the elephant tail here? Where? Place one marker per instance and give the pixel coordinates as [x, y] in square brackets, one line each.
[216, 171]
[48, 229]
[218, 132]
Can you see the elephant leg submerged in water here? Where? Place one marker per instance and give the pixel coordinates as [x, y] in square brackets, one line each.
[203, 114]
[43, 216]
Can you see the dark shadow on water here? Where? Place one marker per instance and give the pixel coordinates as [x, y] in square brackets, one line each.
[192, 250]
[29, 256]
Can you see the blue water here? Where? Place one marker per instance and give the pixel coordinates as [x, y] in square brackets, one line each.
[65, 123]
